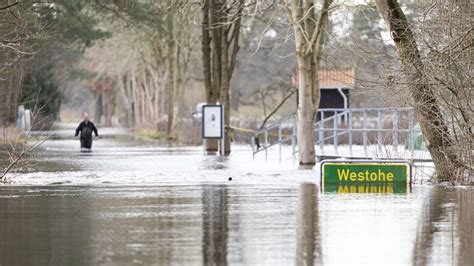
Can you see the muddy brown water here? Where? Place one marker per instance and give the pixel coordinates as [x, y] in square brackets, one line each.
[130, 202]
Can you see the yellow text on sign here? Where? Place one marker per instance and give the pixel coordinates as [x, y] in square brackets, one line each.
[348, 175]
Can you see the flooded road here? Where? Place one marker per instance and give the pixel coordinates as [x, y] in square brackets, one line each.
[131, 202]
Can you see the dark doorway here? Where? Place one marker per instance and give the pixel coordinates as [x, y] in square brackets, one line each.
[331, 98]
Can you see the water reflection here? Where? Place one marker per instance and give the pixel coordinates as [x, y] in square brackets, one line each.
[229, 223]
[158, 206]
[214, 225]
[40, 230]
[308, 246]
[432, 213]
[465, 218]
[373, 188]
[445, 231]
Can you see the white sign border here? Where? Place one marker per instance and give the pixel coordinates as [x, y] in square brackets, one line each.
[203, 123]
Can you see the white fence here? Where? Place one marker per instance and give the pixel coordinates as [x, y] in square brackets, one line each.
[356, 132]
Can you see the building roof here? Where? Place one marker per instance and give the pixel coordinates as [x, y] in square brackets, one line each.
[337, 78]
[333, 78]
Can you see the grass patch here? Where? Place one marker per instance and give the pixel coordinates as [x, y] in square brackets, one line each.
[151, 135]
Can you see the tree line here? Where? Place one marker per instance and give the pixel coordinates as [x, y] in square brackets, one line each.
[147, 55]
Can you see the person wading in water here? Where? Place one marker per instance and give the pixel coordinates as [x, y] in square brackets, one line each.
[85, 128]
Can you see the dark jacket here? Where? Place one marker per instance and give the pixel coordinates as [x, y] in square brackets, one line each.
[83, 125]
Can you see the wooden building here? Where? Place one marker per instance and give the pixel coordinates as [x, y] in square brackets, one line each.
[335, 85]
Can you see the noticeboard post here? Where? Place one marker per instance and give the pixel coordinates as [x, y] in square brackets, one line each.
[213, 123]
[366, 176]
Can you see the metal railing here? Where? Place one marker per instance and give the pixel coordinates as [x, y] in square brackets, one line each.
[266, 135]
[361, 127]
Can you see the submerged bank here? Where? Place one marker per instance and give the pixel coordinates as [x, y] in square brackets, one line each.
[132, 201]
[119, 157]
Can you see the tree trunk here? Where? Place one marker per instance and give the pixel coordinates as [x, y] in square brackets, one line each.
[224, 93]
[154, 89]
[306, 111]
[230, 44]
[216, 31]
[183, 78]
[211, 144]
[98, 108]
[128, 100]
[309, 38]
[10, 91]
[135, 99]
[220, 45]
[170, 95]
[109, 101]
[206, 50]
[433, 126]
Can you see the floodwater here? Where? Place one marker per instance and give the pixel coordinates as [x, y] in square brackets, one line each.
[131, 202]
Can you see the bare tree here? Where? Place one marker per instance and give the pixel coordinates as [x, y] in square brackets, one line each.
[19, 30]
[221, 21]
[435, 130]
[309, 25]
[23, 145]
[151, 77]
[446, 38]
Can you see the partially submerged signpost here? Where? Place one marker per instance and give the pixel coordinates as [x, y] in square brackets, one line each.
[213, 123]
[365, 176]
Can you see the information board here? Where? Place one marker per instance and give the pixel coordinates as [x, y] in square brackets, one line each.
[212, 121]
[365, 176]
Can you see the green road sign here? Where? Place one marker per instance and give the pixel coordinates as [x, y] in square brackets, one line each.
[365, 176]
